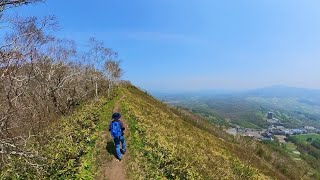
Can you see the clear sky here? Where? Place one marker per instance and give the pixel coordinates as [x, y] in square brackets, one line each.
[171, 45]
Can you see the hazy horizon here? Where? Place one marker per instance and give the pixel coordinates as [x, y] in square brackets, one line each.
[223, 91]
[199, 45]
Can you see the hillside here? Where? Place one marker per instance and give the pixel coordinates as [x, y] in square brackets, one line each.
[171, 143]
[57, 95]
[163, 143]
[295, 107]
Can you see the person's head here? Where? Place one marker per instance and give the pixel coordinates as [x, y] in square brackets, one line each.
[116, 116]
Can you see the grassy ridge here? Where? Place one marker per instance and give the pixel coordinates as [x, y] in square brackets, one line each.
[165, 146]
[164, 143]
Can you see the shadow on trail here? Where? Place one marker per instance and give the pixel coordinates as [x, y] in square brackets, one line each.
[111, 148]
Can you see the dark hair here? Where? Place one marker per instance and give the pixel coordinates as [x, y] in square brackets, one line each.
[116, 116]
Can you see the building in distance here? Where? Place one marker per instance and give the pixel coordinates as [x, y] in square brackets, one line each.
[270, 115]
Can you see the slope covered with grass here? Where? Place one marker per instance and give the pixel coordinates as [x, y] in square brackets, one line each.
[163, 143]
[166, 144]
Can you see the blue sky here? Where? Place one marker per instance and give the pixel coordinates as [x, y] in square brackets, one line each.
[172, 45]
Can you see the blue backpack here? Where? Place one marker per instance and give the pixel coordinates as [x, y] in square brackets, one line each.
[116, 129]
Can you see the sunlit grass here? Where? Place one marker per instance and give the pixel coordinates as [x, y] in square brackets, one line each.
[166, 146]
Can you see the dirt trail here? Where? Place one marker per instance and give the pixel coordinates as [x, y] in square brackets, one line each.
[115, 169]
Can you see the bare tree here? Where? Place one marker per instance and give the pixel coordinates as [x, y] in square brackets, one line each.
[113, 72]
[5, 4]
[41, 80]
[96, 56]
[19, 58]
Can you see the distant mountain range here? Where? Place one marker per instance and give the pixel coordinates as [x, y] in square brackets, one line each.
[285, 92]
[302, 95]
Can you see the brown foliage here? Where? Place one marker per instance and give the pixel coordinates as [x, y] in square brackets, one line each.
[41, 78]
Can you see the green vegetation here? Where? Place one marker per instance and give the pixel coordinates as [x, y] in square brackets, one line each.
[92, 162]
[52, 129]
[238, 112]
[70, 149]
[307, 144]
[166, 146]
[173, 143]
[292, 112]
[249, 111]
[204, 111]
[164, 143]
[246, 124]
[305, 137]
[292, 150]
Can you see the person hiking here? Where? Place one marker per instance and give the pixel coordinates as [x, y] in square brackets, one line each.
[116, 129]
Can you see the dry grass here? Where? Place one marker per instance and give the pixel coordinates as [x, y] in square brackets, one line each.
[164, 145]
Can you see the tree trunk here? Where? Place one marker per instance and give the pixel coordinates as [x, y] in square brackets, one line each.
[96, 90]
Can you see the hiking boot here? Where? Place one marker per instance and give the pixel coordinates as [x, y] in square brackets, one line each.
[123, 151]
[120, 159]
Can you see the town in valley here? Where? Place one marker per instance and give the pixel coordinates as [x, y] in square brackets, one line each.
[275, 130]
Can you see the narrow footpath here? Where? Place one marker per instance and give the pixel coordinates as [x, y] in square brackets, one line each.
[115, 169]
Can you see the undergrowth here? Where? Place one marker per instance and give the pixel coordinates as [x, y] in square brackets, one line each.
[67, 146]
